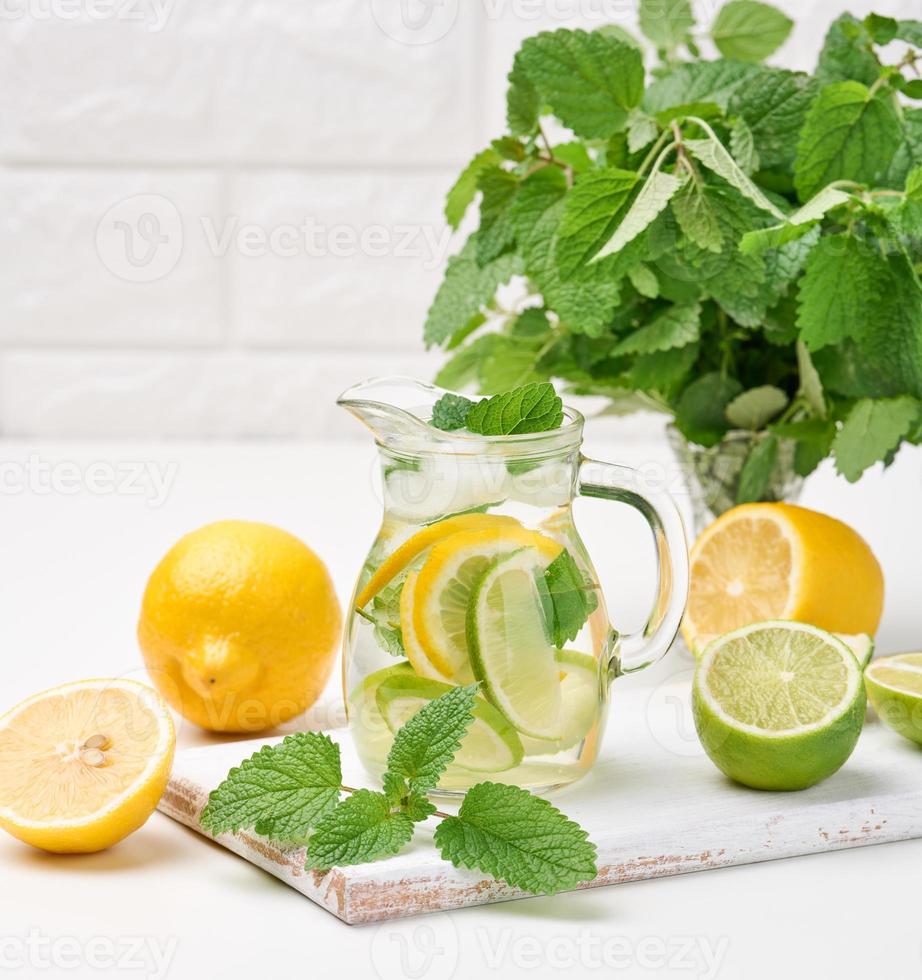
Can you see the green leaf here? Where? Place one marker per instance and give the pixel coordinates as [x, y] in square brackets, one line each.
[664, 371]
[882, 29]
[743, 147]
[755, 408]
[692, 210]
[811, 387]
[666, 22]
[532, 408]
[523, 103]
[591, 81]
[571, 598]
[536, 195]
[812, 441]
[909, 154]
[644, 280]
[675, 327]
[450, 412]
[518, 838]
[700, 81]
[847, 53]
[461, 369]
[592, 212]
[700, 414]
[713, 154]
[642, 130]
[364, 827]
[466, 288]
[848, 135]
[461, 196]
[512, 363]
[749, 30]
[425, 745]
[756, 474]
[531, 322]
[655, 194]
[496, 232]
[872, 430]
[910, 31]
[797, 224]
[774, 108]
[417, 807]
[282, 791]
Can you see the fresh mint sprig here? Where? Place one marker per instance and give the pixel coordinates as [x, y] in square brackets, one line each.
[292, 793]
[529, 408]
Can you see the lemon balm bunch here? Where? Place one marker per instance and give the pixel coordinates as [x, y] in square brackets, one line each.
[733, 244]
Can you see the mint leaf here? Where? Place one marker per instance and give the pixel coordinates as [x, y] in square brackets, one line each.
[700, 414]
[496, 232]
[848, 135]
[871, 431]
[536, 194]
[755, 408]
[282, 791]
[666, 22]
[847, 53]
[364, 827]
[693, 211]
[425, 745]
[749, 30]
[512, 363]
[756, 474]
[531, 408]
[518, 838]
[743, 147]
[882, 29]
[908, 30]
[774, 109]
[450, 412]
[591, 81]
[675, 327]
[465, 289]
[700, 81]
[713, 154]
[462, 194]
[797, 224]
[655, 194]
[523, 103]
[463, 367]
[811, 387]
[642, 130]
[644, 280]
[591, 215]
[571, 598]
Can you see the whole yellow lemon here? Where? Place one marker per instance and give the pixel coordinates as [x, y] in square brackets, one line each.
[239, 626]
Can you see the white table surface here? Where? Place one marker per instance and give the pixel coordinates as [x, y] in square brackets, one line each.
[167, 903]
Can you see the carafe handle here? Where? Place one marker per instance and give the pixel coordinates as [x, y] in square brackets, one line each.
[607, 481]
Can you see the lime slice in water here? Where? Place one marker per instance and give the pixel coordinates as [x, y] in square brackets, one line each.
[491, 743]
[894, 686]
[509, 648]
[579, 693]
[778, 705]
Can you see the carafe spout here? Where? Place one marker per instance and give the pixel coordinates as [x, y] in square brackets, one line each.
[392, 407]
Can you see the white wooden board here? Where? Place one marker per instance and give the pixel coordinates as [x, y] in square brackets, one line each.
[654, 805]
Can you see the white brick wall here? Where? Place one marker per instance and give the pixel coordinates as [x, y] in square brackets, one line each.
[284, 161]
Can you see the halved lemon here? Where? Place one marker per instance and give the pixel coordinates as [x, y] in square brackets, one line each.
[413, 547]
[444, 584]
[84, 765]
[778, 561]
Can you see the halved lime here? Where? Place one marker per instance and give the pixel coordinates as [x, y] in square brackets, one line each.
[579, 692]
[778, 705]
[861, 645]
[491, 743]
[894, 686]
[509, 647]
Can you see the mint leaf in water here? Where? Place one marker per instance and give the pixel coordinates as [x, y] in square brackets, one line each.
[364, 827]
[531, 408]
[426, 744]
[571, 599]
[518, 838]
[281, 791]
[450, 412]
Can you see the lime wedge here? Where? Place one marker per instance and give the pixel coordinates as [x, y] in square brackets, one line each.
[491, 743]
[509, 647]
[579, 693]
[861, 645]
[778, 705]
[894, 685]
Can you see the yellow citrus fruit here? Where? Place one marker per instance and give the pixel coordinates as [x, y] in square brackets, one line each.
[413, 547]
[239, 626]
[84, 765]
[442, 590]
[778, 561]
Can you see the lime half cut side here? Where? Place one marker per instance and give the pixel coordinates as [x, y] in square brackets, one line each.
[778, 705]
[509, 647]
[894, 685]
[491, 743]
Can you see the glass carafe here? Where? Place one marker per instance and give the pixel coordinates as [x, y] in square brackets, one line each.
[479, 575]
